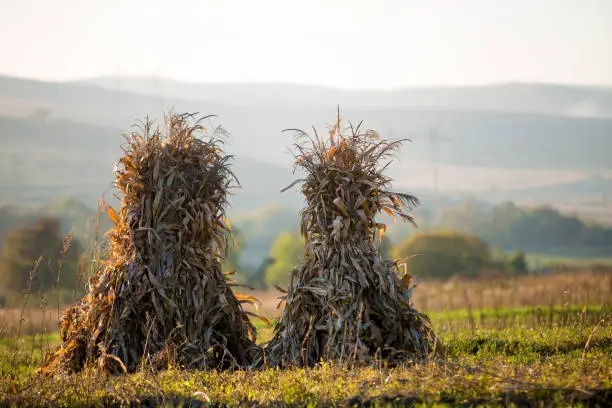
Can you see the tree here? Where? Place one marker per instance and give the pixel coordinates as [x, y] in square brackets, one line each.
[443, 254]
[467, 216]
[518, 263]
[258, 278]
[23, 245]
[287, 252]
[541, 229]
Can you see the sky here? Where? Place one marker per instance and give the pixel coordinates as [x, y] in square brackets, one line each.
[349, 44]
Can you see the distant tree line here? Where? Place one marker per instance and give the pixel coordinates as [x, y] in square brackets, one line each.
[543, 229]
[463, 248]
[42, 239]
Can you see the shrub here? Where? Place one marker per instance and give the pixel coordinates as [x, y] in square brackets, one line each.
[518, 263]
[41, 238]
[443, 254]
[286, 253]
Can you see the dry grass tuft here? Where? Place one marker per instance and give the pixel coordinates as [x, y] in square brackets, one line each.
[162, 298]
[344, 303]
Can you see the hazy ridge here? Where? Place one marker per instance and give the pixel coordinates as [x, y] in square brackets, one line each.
[553, 99]
[62, 138]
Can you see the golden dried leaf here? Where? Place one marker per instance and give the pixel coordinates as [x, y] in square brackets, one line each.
[112, 215]
[382, 228]
[260, 317]
[246, 298]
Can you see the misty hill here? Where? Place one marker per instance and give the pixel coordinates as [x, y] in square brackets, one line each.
[589, 186]
[42, 160]
[60, 139]
[477, 137]
[578, 101]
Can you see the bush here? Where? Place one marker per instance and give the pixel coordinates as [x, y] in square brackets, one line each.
[286, 253]
[23, 245]
[518, 263]
[443, 254]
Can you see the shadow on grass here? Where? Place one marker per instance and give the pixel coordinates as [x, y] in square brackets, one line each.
[507, 347]
[519, 398]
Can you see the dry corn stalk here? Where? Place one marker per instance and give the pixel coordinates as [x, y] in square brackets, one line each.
[344, 303]
[161, 298]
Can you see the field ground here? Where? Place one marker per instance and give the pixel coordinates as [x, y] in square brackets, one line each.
[511, 351]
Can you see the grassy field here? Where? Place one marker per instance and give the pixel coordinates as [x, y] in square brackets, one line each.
[543, 341]
[542, 260]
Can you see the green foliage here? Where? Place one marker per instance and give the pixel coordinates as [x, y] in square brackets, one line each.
[260, 227]
[287, 252]
[541, 229]
[443, 254]
[76, 218]
[258, 277]
[23, 245]
[518, 263]
[11, 216]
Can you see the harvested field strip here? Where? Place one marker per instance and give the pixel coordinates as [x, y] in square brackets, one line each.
[480, 370]
[564, 364]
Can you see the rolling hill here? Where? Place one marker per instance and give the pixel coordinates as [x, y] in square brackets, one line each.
[548, 99]
[481, 133]
[61, 138]
[528, 143]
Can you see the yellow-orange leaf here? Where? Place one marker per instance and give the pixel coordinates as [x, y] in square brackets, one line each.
[246, 298]
[382, 228]
[263, 319]
[112, 215]
[389, 212]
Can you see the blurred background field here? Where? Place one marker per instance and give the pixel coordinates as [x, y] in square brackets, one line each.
[506, 301]
[512, 165]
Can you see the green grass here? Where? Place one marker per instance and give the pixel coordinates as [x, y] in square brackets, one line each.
[520, 357]
[535, 260]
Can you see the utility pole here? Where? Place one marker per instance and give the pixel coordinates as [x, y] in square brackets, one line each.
[434, 138]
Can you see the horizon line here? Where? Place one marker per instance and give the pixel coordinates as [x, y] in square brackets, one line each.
[89, 80]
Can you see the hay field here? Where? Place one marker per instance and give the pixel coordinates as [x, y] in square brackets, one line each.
[580, 288]
[531, 341]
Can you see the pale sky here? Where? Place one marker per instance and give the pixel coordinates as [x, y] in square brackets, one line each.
[354, 44]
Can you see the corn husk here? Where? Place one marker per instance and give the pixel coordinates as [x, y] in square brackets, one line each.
[345, 303]
[161, 299]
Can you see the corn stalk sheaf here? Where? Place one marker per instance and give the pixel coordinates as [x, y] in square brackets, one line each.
[344, 302]
[161, 297]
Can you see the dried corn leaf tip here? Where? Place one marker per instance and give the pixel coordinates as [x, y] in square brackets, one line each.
[162, 298]
[345, 303]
